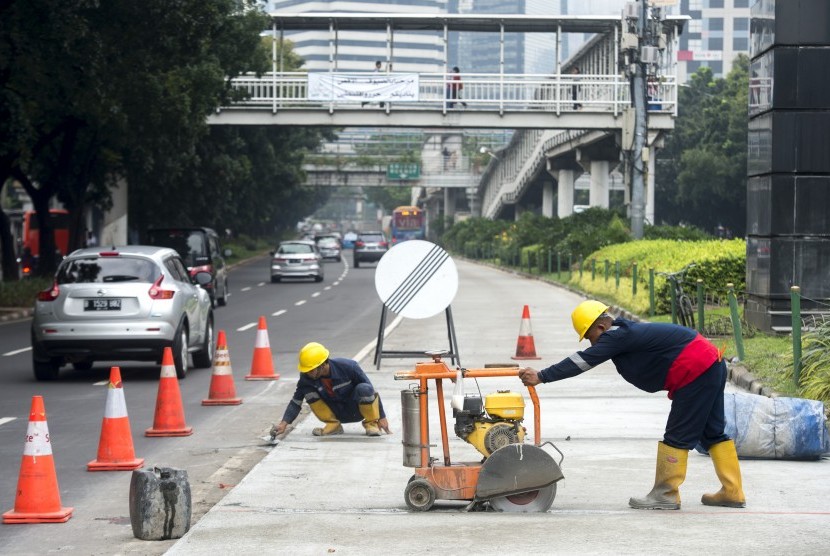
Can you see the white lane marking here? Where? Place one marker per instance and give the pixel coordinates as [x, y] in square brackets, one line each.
[335, 283]
[15, 352]
[247, 326]
[371, 345]
[4, 420]
[300, 302]
[315, 294]
[327, 288]
[278, 313]
[246, 289]
[101, 383]
[260, 284]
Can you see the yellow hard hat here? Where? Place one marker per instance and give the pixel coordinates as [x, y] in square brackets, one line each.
[585, 314]
[312, 356]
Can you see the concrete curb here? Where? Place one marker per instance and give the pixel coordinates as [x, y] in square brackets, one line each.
[14, 314]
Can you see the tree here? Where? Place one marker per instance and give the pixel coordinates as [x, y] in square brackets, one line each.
[92, 93]
[701, 174]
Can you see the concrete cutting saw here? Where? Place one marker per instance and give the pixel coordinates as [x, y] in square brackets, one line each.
[512, 476]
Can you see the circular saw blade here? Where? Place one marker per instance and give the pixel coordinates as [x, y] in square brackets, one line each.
[527, 502]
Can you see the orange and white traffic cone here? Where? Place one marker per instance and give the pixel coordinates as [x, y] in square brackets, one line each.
[525, 347]
[38, 498]
[169, 418]
[222, 390]
[262, 365]
[115, 448]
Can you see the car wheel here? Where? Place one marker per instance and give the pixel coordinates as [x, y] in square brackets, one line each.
[222, 301]
[275, 279]
[356, 263]
[44, 367]
[82, 365]
[318, 278]
[180, 353]
[46, 370]
[204, 357]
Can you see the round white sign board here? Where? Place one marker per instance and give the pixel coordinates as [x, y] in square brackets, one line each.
[416, 279]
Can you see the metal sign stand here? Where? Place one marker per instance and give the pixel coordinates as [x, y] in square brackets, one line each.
[453, 352]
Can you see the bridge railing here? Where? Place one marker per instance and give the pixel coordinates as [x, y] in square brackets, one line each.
[481, 92]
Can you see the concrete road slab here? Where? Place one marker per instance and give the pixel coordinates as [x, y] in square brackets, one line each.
[344, 494]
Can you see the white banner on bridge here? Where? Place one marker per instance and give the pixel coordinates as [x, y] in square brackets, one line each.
[371, 87]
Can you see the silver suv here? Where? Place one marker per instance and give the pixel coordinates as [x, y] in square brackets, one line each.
[124, 303]
[369, 247]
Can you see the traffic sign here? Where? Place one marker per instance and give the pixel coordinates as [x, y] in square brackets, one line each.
[403, 171]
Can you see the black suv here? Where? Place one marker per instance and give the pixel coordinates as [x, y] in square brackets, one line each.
[200, 250]
[369, 247]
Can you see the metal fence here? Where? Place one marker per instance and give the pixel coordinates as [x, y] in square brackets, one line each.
[481, 91]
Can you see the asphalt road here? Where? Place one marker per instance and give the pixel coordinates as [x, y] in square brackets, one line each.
[343, 312]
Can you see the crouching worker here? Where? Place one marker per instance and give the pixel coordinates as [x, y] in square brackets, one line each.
[653, 357]
[337, 391]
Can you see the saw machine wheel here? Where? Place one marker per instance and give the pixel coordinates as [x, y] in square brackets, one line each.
[526, 502]
[419, 495]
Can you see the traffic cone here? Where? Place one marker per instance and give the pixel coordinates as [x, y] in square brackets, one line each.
[38, 498]
[262, 365]
[115, 448]
[169, 419]
[525, 348]
[222, 390]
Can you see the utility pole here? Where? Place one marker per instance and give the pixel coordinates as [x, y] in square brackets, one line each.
[642, 44]
[638, 98]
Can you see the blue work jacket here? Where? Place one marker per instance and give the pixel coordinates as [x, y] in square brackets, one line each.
[651, 356]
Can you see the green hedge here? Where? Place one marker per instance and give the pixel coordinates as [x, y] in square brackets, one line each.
[717, 263]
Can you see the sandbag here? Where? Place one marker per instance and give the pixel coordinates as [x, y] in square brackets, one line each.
[775, 428]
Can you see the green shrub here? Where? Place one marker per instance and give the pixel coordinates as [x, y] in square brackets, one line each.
[814, 377]
[23, 292]
[685, 233]
[576, 235]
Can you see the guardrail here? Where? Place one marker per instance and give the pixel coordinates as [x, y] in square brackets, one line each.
[481, 92]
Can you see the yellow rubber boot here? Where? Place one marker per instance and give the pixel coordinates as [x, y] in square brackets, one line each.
[669, 475]
[731, 494]
[326, 415]
[371, 414]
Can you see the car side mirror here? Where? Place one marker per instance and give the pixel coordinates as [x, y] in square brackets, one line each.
[203, 278]
[273, 252]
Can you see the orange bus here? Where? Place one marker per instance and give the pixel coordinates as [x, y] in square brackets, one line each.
[31, 231]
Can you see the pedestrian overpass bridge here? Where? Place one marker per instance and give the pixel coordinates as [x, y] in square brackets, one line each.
[567, 123]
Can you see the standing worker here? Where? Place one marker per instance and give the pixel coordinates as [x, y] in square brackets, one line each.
[661, 356]
[337, 391]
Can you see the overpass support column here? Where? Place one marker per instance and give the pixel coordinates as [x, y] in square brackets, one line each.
[650, 188]
[565, 193]
[547, 199]
[599, 196]
[449, 204]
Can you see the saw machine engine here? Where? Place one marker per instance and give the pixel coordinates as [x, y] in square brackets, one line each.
[491, 425]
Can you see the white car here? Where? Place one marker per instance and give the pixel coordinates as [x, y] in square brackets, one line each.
[123, 303]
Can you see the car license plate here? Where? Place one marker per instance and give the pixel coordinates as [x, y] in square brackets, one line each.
[102, 305]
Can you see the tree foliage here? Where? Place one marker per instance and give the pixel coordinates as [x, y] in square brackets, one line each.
[701, 173]
[93, 94]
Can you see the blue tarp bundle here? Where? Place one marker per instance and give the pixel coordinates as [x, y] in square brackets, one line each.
[775, 428]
